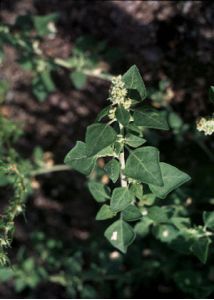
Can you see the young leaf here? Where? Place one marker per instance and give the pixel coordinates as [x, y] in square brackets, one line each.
[208, 218]
[150, 118]
[143, 165]
[120, 199]
[103, 113]
[79, 79]
[211, 94]
[77, 159]
[158, 214]
[137, 190]
[41, 23]
[200, 248]
[142, 227]
[105, 213]
[112, 168]
[147, 199]
[99, 136]
[172, 179]
[134, 81]
[122, 115]
[133, 140]
[131, 213]
[120, 234]
[99, 191]
[166, 233]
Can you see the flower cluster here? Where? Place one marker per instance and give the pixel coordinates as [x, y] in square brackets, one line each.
[206, 125]
[118, 93]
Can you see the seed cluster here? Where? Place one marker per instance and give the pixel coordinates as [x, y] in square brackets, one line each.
[206, 125]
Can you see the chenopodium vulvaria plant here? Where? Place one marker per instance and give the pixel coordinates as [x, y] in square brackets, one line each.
[133, 167]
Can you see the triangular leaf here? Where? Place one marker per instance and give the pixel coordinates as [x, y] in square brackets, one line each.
[150, 118]
[143, 165]
[200, 248]
[134, 81]
[120, 234]
[105, 213]
[131, 213]
[123, 116]
[99, 191]
[120, 199]
[112, 168]
[172, 178]
[134, 140]
[77, 159]
[99, 136]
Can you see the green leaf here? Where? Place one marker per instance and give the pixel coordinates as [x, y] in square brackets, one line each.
[166, 233]
[105, 213]
[120, 199]
[99, 191]
[158, 214]
[47, 81]
[42, 85]
[134, 128]
[79, 79]
[112, 168]
[120, 234]
[137, 190]
[122, 115]
[208, 218]
[133, 140]
[6, 274]
[99, 136]
[134, 81]
[180, 222]
[103, 113]
[143, 165]
[211, 94]
[172, 178]
[108, 151]
[200, 248]
[150, 118]
[41, 23]
[78, 160]
[131, 213]
[147, 199]
[175, 121]
[142, 227]
[38, 89]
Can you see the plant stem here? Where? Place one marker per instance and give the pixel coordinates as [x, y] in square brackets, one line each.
[94, 73]
[56, 168]
[123, 180]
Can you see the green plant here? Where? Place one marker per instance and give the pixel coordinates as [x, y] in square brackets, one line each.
[27, 36]
[144, 180]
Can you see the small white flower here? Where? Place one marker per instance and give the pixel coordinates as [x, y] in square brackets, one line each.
[206, 125]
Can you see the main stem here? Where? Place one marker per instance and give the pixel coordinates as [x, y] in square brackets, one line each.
[123, 180]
